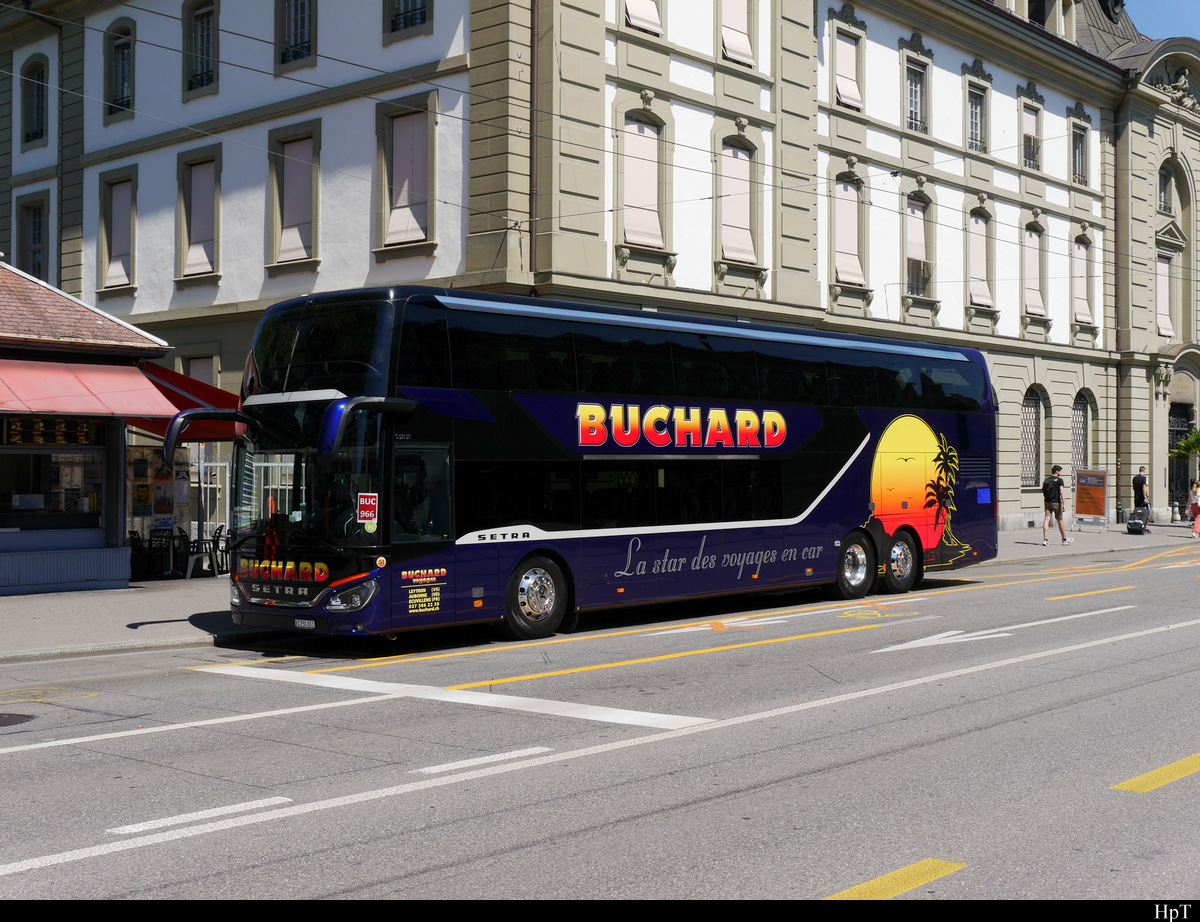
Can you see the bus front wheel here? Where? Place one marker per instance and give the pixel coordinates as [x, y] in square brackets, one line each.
[856, 567]
[537, 599]
[903, 564]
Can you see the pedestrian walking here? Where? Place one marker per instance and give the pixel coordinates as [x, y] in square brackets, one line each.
[1194, 507]
[1053, 497]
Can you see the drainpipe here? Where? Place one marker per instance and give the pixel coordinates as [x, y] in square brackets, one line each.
[533, 144]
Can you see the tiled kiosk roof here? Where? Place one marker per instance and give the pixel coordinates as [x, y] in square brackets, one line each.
[36, 317]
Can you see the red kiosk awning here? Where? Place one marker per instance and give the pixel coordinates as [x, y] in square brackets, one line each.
[80, 389]
[186, 393]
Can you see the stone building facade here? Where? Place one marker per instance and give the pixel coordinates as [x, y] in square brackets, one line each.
[1015, 175]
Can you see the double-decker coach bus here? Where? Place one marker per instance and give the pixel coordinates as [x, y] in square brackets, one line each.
[410, 457]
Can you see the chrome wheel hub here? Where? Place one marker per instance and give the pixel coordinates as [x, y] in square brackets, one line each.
[901, 560]
[535, 594]
[854, 568]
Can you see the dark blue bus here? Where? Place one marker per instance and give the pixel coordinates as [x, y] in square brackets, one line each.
[410, 457]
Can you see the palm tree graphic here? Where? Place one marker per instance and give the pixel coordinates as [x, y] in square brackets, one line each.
[939, 493]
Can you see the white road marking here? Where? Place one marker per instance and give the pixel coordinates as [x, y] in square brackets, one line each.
[198, 815]
[785, 616]
[960, 636]
[212, 722]
[482, 760]
[464, 696]
[96, 851]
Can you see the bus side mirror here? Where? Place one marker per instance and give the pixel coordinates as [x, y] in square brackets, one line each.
[339, 413]
[181, 421]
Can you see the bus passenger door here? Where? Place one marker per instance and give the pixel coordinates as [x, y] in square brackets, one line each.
[422, 560]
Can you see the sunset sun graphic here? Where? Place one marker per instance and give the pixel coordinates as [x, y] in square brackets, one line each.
[905, 472]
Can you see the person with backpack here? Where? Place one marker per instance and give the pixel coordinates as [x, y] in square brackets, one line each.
[1053, 489]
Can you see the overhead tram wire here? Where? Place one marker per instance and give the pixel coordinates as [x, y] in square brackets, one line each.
[816, 186]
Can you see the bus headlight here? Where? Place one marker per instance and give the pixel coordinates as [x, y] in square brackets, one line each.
[356, 598]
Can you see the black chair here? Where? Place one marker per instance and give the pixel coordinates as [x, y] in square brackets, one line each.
[161, 551]
[220, 544]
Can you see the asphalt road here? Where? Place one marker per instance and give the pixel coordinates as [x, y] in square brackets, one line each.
[1019, 731]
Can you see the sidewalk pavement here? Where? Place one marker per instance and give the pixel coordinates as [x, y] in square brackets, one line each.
[190, 613]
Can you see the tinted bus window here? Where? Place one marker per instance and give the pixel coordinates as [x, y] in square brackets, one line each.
[423, 359]
[617, 494]
[493, 494]
[339, 346]
[714, 367]
[623, 360]
[791, 373]
[852, 379]
[499, 352]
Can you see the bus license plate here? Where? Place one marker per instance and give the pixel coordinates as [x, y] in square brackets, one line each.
[305, 624]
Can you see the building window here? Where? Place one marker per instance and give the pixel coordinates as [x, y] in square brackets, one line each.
[1165, 294]
[1031, 439]
[200, 46]
[846, 80]
[295, 172]
[1079, 146]
[406, 135]
[32, 236]
[914, 96]
[735, 32]
[1031, 140]
[977, 261]
[920, 269]
[405, 18]
[118, 209]
[1166, 192]
[295, 32]
[643, 225]
[1080, 438]
[118, 67]
[643, 14]
[977, 119]
[1081, 301]
[199, 218]
[34, 102]
[846, 209]
[1031, 259]
[201, 368]
[737, 238]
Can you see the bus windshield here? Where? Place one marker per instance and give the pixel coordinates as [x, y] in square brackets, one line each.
[281, 491]
[341, 346]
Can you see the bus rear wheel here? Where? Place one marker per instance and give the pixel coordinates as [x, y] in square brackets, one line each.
[537, 599]
[903, 565]
[855, 568]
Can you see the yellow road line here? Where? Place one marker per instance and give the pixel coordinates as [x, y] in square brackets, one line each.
[816, 609]
[254, 662]
[531, 644]
[901, 881]
[1143, 784]
[1079, 595]
[665, 656]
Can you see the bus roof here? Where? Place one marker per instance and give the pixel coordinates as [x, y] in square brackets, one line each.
[623, 316]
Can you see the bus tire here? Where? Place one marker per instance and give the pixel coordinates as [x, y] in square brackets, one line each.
[537, 599]
[903, 564]
[856, 567]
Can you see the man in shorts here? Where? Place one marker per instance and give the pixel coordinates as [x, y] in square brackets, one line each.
[1052, 495]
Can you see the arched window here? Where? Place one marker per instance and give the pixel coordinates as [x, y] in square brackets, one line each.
[643, 224]
[916, 238]
[737, 203]
[34, 102]
[200, 54]
[1031, 439]
[118, 70]
[847, 235]
[1081, 411]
